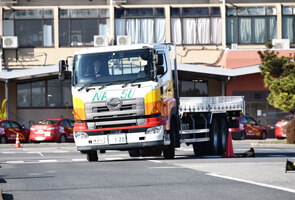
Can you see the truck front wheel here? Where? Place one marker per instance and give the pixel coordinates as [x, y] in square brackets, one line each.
[92, 156]
[169, 152]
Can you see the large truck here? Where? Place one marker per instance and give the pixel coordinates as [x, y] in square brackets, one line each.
[132, 103]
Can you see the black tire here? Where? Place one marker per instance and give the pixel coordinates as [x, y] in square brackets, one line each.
[243, 136]
[214, 140]
[92, 156]
[169, 152]
[263, 135]
[63, 138]
[3, 140]
[200, 148]
[145, 152]
[223, 134]
[157, 152]
[134, 153]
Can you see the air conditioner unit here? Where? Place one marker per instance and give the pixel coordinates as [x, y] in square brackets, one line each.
[9, 42]
[281, 43]
[101, 40]
[234, 46]
[123, 39]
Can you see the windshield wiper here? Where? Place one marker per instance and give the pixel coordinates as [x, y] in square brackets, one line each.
[110, 83]
[133, 81]
[90, 84]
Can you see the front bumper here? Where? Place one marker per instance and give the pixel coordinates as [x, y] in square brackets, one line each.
[120, 140]
[120, 146]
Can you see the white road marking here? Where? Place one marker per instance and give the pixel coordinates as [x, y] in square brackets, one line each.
[15, 162]
[47, 161]
[79, 160]
[37, 153]
[253, 183]
[166, 167]
[155, 161]
[113, 158]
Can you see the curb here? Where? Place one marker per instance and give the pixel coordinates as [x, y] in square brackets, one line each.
[272, 145]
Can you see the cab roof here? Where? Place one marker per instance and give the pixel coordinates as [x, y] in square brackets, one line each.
[104, 49]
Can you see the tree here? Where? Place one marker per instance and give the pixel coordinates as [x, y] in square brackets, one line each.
[279, 77]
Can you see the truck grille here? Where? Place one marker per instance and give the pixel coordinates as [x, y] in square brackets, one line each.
[99, 115]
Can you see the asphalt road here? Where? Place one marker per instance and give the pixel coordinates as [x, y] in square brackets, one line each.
[58, 171]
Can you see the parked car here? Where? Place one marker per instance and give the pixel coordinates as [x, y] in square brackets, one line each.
[53, 129]
[249, 128]
[279, 133]
[9, 129]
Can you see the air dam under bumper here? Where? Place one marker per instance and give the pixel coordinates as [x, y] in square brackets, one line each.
[119, 141]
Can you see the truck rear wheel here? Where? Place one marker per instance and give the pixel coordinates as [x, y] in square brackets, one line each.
[200, 148]
[223, 132]
[134, 153]
[214, 140]
[211, 147]
[92, 156]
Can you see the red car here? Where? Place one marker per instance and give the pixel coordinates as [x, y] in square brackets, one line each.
[280, 125]
[54, 129]
[9, 129]
[249, 129]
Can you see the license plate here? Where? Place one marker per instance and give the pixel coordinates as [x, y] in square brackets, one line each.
[39, 138]
[99, 140]
[47, 134]
[117, 139]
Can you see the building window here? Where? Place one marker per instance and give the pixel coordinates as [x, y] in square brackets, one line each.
[33, 28]
[288, 25]
[48, 93]
[251, 25]
[144, 25]
[193, 88]
[77, 27]
[200, 25]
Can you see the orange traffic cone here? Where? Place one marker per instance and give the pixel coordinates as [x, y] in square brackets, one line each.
[17, 142]
[229, 153]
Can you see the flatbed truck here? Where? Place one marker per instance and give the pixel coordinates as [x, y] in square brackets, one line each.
[135, 105]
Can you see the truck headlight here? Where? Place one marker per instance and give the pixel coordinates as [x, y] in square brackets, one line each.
[154, 130]
[81, 135]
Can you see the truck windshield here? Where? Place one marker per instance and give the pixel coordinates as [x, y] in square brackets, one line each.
[115, 67]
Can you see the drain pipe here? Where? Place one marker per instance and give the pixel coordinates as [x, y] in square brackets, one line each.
[7, 98]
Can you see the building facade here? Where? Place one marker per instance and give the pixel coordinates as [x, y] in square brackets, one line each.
[217, 43]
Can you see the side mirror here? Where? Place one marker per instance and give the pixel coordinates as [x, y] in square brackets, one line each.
[62, 68]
